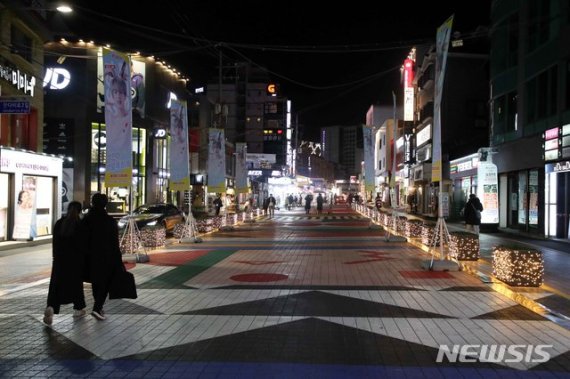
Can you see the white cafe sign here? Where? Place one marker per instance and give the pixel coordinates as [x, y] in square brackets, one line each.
[21, 81]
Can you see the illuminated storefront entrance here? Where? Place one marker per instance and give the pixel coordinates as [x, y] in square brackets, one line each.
[30, 188]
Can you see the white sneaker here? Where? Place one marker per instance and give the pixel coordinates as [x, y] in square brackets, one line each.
[48, 316]
[79, 313]
[98, 315]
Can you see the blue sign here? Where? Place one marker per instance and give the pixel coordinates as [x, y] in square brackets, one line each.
[14, 106]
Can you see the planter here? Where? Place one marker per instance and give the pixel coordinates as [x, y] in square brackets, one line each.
[428, 234]
[413, 229]
[464, 245]
[153, 236]
[518, 266]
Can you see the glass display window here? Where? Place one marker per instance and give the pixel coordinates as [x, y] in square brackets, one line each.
[4, 207]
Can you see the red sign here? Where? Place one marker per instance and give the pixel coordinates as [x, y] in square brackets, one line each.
[551, 133]
[408, 73]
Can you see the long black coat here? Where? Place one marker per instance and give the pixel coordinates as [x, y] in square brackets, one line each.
[66, 283]
[469, 211]
[102, 245]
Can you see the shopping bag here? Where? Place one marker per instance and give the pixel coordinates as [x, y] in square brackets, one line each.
[123, 285]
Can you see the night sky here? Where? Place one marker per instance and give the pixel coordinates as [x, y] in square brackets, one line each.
[333, 62]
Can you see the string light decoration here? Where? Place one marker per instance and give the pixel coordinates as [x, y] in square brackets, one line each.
[428, 234]
[413, 229]
[401, 224]
[518, 266]
[130, 243]
[464, 246]
[153, 236]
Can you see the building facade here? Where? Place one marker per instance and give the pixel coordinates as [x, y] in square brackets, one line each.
[530, 97]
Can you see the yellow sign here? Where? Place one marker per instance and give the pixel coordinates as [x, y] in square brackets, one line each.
[272, 88]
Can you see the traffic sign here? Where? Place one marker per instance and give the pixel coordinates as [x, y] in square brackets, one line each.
[14, 106]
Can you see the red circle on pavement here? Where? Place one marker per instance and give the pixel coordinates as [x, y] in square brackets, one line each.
[258, 277]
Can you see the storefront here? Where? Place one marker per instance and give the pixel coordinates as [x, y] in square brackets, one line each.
[463, 175]
[557, 200]
[30, 194]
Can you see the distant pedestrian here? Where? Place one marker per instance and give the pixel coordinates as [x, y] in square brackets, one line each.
[103, 251]
[308, 200]
[218, 204]
[472, 213]
[378, 201]
[320, 202]
[271, 205]
[66, 282]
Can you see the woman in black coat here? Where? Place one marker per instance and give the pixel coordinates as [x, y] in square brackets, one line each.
[66, 283]
[103, 251]
[472, 213]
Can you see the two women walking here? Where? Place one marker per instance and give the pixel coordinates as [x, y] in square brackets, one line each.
[83, 250]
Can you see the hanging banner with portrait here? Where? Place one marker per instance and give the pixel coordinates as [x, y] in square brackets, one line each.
[179, 158]
[118, 118]
[216, 161]
[442, 46]
[369, 171]
[241, 168]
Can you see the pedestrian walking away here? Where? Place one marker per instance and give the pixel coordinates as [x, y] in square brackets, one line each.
[271, 205]
[218, 204]
[472, 214]
[103, 251]
[66, 282]
[320, 201]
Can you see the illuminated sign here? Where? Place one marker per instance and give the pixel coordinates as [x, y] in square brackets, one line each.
[566, 129]
[272, 89]
[199, 90]
[408, 90]
[56, 78]
[423, 135]
[551, 133]
[21, 81]
[159, 133]
[487, 191]
[255, 173]
[551, 155]
[551, 144]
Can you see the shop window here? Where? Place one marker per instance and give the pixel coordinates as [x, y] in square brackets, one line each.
[522, 208]
[533, 198]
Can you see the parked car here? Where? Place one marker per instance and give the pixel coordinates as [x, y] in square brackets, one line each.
[163, 214]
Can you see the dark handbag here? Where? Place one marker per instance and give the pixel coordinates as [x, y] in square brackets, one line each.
[123, 285]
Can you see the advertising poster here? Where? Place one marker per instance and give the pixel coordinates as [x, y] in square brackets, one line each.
[118, 119]
[179, 156]
[25, 210]
[442, 45]
[216, 161]
[488, 192]
[241, 168]
[66, 189]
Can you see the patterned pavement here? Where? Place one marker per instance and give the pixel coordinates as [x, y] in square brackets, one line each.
[295, 296]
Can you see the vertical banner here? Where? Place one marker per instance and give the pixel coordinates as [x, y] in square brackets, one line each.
[216, 161]
[369, 171]
[118, 118]
[241, 169]
[442, 45]
[179, 158]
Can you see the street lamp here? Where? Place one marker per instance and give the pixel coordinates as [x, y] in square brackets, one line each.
[63, 8]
